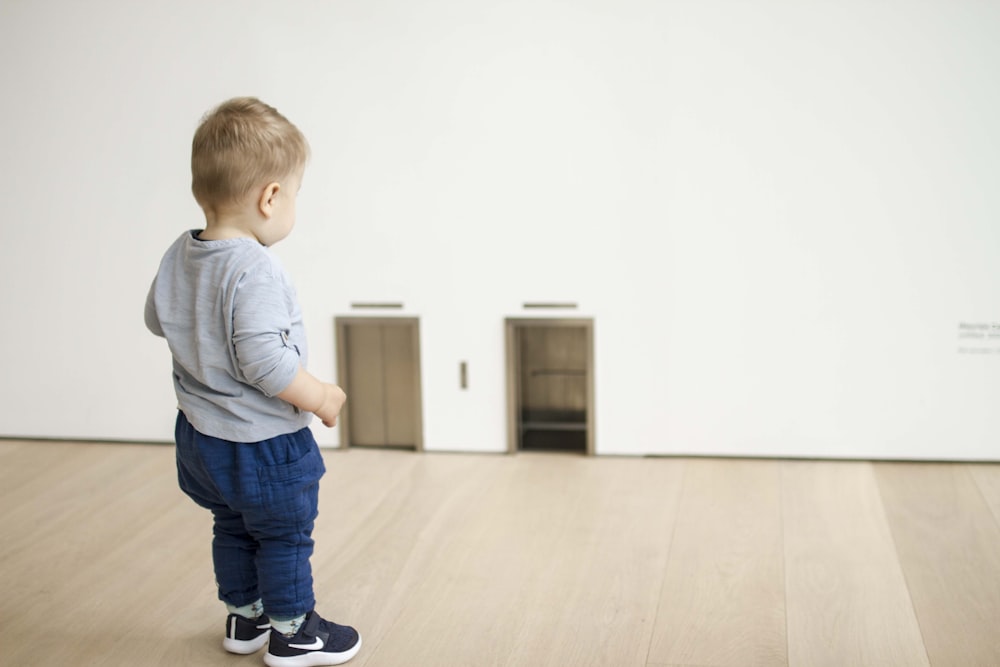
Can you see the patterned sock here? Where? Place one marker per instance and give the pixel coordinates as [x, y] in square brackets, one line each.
[289, 627]
[251, 611]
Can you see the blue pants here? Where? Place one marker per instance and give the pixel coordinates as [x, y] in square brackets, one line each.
[264, 497]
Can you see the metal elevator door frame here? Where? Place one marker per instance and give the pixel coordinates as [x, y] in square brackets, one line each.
[384, 399]
[513, 327]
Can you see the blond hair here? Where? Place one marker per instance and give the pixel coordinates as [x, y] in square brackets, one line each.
[241, 145]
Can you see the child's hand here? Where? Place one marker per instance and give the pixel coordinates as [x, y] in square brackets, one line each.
[333, 402]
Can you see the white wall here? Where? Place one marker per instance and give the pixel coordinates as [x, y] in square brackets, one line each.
[778, 213]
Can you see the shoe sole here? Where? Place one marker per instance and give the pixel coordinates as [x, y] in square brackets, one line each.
[315, 659]
[246, 647]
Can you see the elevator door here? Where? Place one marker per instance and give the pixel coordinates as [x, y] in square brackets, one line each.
[379, 358]
[550, 368]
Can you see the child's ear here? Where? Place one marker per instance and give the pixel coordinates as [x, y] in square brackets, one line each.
[267, 199]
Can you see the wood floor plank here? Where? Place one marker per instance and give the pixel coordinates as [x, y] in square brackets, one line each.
[847, 600]
[499, 586]
[461, 610]
[75, 481]
[597, 599]
[949, 548]
[36, 466]
[987, 477]
[723, 599]
[444, 559]
[106, 548]
[371, 570]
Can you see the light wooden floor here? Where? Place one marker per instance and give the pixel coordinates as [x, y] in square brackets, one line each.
[467, 560]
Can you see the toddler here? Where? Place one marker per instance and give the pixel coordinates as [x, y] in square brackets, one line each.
[234, 328]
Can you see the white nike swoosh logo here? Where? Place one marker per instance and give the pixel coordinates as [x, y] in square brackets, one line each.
[315, 646]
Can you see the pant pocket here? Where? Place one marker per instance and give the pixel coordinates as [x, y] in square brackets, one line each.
[290, 491]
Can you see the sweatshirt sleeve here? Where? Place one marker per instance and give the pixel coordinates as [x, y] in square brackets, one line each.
[261, 326]
[152, 320]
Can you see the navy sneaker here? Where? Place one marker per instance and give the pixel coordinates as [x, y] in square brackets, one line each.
[245, 636]
[317, 643]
